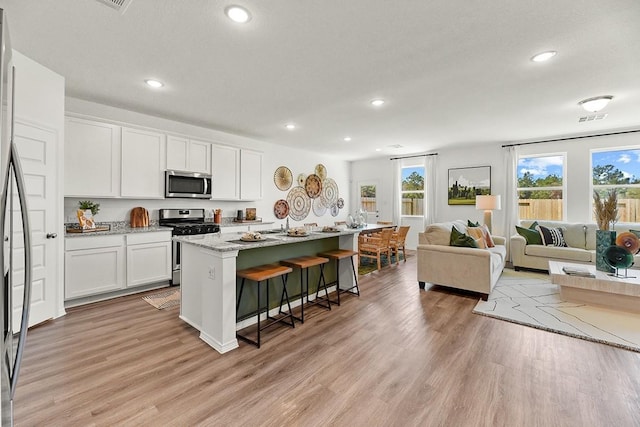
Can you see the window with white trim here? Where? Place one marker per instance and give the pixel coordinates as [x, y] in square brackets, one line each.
[541, 187]
[618, 169]
[412, 191]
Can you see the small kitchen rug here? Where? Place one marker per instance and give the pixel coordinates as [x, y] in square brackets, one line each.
[531, 299]
[166, 299]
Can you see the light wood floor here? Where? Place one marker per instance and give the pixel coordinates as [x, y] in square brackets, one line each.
[396, 356]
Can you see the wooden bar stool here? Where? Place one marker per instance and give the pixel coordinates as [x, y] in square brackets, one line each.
[260, 274]
[339, 254]
[304, 263]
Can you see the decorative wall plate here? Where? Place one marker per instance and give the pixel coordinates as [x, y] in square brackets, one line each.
[283, 178]
[334, 210]
[329, 194]
[281, 209]
[299, 203]
[340, 203]
[313, 186]
[301, 179]
[628, 240]
[318, 207]
[321, 171]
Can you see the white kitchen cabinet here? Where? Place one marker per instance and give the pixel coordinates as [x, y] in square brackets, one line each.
[94, 265]
[148, 258]
[225, 168]
[236, 174]
[143, 163]
[250, 175]
[190, 155]
[92, 158]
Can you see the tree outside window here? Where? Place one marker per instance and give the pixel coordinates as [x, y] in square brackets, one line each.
[412, 191]
[619, 170]
[541, 187]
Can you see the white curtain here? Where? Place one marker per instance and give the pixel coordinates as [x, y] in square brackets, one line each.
[429, 190]
[511, 196]
[397, 187]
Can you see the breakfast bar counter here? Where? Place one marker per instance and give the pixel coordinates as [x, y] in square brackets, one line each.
[208, 275]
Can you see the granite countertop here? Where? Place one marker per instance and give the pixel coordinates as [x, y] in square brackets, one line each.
[117, 228]
[230, 241]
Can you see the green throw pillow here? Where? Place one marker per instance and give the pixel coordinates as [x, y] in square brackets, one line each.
[472, 224]
[531, 236]
[461, 239]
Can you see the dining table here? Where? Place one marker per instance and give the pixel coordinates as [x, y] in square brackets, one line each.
[375, 228]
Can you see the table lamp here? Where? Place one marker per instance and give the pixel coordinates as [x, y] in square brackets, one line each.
[488, 204]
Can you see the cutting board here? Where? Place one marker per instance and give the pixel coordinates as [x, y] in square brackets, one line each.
[139, 217]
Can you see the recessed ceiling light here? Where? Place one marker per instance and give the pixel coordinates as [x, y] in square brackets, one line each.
[377, 102]
[595, 104]
[238, 14]
[347, 138]
[290, 126]
[544, 56]
[154, 83]
[378, 149]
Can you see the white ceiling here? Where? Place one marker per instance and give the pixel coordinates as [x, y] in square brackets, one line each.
[453, 72]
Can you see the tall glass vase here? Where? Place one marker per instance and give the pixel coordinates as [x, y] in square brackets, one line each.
[604, 239]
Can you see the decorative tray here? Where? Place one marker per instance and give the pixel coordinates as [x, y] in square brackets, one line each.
[248, 239]
[88, 230]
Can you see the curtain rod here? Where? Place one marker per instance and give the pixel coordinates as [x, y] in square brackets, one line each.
[417, 155]
[571, 137]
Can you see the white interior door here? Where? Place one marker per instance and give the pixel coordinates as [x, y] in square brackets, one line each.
[37, 147]
[368, 200]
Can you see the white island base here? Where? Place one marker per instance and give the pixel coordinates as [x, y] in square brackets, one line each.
[208, 277]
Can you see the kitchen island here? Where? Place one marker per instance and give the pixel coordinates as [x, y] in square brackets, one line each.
[208, 276]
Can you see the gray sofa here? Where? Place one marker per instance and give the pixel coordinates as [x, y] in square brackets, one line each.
[579, 237]
[471, 269]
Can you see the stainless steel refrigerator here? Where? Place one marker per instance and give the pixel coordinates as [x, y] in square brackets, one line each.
[14, 227]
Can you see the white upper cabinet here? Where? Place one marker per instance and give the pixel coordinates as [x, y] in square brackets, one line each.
[250, 175]
[143, 163]
[92, 158]
[225, 178]
[188, 154]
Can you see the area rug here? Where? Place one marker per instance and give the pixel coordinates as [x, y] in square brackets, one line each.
[369, 265]
[166, 299]
[531, 299]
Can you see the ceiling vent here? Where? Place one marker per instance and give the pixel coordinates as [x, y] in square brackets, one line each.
[395, 146]
[119, 5]
[592, 117]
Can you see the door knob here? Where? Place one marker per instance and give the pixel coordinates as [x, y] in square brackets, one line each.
[52, 235]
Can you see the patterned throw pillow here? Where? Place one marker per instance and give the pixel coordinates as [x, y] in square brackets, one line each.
[478, 235]
[472, 224]
[551, 236]
[487, 236]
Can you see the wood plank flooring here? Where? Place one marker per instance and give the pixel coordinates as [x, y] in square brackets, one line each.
[396, 356]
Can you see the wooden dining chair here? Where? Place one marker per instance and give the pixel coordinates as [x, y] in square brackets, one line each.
[374, 247]
[398, 241]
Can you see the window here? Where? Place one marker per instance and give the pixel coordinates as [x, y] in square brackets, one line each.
[541, 187]
[412, 191]
[619, 169]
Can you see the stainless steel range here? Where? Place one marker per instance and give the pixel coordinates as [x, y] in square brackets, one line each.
[184, 222]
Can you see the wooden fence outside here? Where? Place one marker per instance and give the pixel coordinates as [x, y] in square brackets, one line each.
[551, 209]
[409, 206]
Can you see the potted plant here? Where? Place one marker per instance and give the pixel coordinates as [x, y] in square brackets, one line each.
[606, 212]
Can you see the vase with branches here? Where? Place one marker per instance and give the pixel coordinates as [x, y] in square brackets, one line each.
[606, 208]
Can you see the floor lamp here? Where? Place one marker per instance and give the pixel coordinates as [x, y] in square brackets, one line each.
[488, 204]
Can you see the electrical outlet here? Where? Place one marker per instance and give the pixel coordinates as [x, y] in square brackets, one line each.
[212, 273]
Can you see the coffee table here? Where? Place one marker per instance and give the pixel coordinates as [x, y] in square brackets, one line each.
[603, 289]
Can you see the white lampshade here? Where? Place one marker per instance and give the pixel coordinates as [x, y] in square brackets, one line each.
[593, 105]
[488, 203]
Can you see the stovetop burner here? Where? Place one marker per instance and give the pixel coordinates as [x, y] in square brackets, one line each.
[187, 221]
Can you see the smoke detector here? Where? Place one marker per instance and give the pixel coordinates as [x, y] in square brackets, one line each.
[592, 117]
[119, 5]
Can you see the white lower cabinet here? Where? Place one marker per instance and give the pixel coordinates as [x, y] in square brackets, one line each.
[148, 258]
[97, 265]
[94, 265]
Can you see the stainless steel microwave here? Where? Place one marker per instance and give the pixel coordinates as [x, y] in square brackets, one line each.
[187, 185]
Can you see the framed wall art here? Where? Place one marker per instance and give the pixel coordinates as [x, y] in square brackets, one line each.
[467, 183]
